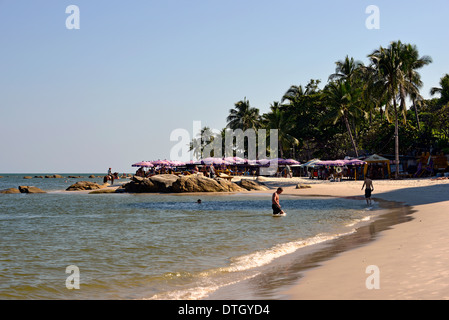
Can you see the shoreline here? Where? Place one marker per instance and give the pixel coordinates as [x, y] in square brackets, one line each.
[411, 257]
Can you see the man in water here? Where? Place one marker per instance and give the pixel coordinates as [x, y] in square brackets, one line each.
[368, 184]
[275, 202]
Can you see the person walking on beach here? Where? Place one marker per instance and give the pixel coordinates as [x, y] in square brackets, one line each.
[368, 184]
[275, 202]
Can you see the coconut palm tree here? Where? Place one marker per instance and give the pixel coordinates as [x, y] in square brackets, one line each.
[443, 90]
[343, 100]
[412, 62]
[243, 116]
[390, 75]
[279, 119]
[345, 69]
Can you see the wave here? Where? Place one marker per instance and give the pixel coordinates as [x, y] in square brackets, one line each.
[240, 268]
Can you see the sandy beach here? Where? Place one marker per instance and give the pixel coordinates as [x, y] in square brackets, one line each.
[412, 257]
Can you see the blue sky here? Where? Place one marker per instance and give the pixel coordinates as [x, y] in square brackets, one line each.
[110, 93]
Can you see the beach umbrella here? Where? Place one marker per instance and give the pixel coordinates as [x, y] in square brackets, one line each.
[289, 162]
[338, 163]
[354, 162]
[176, 163]
[235, 160]
[310, 163]
[160, 162]
[213, 161]
[143, 164]
[252, 162]
[263, 162]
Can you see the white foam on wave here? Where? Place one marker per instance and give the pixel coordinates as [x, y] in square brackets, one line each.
[211, 280]
[264, 257]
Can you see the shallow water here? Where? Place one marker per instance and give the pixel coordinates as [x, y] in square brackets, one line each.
[152, 246]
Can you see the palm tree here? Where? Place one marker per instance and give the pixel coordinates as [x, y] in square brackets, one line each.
[243, 116]
[412, 62]
[443, 90]
[279, 119]
[345, 69]
[198, 143]
[390, 76]
[344, 101]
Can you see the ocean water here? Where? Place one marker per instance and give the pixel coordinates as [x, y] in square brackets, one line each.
[152, 246]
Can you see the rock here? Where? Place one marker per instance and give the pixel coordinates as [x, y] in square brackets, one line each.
[10, 191]
[74, 177]
[84, 185]
[200, 183]
[261, 179]
[39, 177]
[173, 183]
[303, 186]
[157, 183]
[140, 185]
[28, 189]
[164, 182]
[28, 177]
[91, 176]
[229, 186]
[57, 176]
[252, 185]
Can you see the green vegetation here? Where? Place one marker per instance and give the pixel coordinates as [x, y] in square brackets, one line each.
[362, 109]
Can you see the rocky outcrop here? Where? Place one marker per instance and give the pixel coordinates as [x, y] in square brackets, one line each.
[55, 176]
[173, 183]
[164, 182]
[28, 189]
[84, 185]
[252, 185]
[140, 185]
[200, 183]
[157, 183]
[10, 191]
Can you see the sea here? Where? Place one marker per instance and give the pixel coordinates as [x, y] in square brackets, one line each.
[70, 245]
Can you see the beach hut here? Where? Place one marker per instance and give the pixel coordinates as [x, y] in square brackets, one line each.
[376, 159]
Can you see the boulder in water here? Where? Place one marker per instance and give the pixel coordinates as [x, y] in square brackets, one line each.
[84, 185]
[252, 185]
[28, 189]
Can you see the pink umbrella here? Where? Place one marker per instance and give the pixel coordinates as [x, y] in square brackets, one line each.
[289, 161]
[354, 162]
[160, 163]
[143, 164]
[176, 163]
[212, 160]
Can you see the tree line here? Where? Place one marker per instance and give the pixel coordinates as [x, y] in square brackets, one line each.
[362, 109]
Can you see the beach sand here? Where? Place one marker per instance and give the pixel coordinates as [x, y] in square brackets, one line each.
[412, 258]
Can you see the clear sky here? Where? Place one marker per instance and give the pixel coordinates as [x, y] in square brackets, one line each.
[110, 93]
